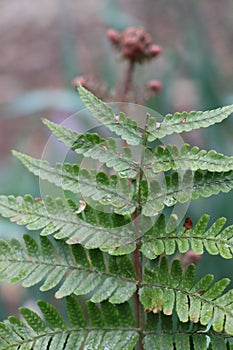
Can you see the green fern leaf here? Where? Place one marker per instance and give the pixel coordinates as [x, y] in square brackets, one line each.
[126, 315]
[92, 146]
[123, 126]
[167, 333]
[33, 320]
[186, 121]
[85, 275]
[191, 303]
[161, 331]
[170, 157]
[97, 186]
[58, 335]
[176, 189]
[51, 315]
[57, 323]
[215, 239]
[56, 217]
[95, 315]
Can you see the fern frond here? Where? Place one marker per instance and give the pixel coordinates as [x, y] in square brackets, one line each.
[98, 186]
[186, 121]
[92, 146]
[87, 272]
[198, 302]
[178, 189]
[170, 157]
[123, 126]
[163, 239]
[55, 216]
[164, 332]
[55, 334]
[110, 327]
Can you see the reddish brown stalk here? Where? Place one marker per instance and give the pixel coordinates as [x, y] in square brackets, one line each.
[127, 79]
[138, 306]
[138, 271]
[137, 255]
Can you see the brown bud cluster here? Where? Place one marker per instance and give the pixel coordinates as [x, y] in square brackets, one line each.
[134, 43]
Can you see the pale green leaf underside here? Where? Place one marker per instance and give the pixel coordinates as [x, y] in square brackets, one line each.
[186, 121]
[97, 186]
[169, 190]
[30, 265]
[56, 217]
[198, 302]
[112, 329]
[214, 239]
[163, 159]
[123, 126]
[170, 157]
[179, 340]
[119, 192]
[71, 339]
[36, 334]
[62, 133]
[92, 146]
[165, 333]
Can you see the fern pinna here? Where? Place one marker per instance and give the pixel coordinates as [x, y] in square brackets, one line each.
[133, 295]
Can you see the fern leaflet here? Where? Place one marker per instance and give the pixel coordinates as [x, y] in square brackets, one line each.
[92, 146]
[199, 302]
[55, 216]
[161, 238]
[170, 157]
[186, 121]
[87, 272]
[166, 333]
[55, 334]
[176, 188]
[123, 126]
[97, 186]
[110, 327]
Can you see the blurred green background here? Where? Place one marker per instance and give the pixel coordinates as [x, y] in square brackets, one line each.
[52, 41]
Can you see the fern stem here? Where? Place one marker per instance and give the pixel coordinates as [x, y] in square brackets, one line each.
[127, 79]
[144, 142]
[137, 260]
[137, 255]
